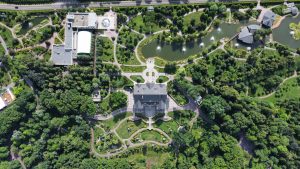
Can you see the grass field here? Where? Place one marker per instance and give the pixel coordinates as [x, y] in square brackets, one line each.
[139, 25]
[148, 159]
[133, 69]
[128, 127]
[137, 78]
[290, 89]
[162, 79]
[179, 118]
[187, 19]
[151, 135]
[111, 123]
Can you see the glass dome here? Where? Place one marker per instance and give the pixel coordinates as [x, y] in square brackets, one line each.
[105, 22]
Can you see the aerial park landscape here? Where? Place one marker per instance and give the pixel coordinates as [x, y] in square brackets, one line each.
[150, 85]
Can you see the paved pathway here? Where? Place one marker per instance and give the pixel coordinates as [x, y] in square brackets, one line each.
[69, 5]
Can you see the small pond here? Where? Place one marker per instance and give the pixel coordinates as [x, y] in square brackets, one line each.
[178, 51]
[282, 33]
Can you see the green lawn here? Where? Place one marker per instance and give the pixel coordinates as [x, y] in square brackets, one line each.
[159, 62]
[148, 159]
[151, 135]
[137, 78]
[128, 127]
[105, 141]
[111, 123]
[162, 79]
[196, 16]
[290, 89]
[179, 118]
[138, 24]
[133, 68]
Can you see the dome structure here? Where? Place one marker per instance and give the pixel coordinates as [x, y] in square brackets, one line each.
[105, 23]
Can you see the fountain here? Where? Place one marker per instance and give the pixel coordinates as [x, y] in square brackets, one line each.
[212, 38]
[158, 48]
[292, 32]
[30, 24]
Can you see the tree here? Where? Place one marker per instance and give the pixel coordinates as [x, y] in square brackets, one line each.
[118, 100]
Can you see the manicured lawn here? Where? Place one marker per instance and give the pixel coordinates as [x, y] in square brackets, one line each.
[104, 49]
[128, 127]
[187, 19]
[151, 135]
[111, 123]
[138, 79]
[162, 79]
[179, 118]
[160, 70]
[167, 126]
[133, 68]
[138, 24]
[290, 89]
[159, 62]
[148, 159]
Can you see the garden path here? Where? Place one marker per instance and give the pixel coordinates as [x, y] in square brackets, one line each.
[4, 45]
[284, 80]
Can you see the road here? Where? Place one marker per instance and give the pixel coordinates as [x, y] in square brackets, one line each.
[66, 5]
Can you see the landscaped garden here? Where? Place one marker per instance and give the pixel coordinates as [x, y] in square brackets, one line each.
[104, 49]
[150, 135]
[128, 127]
[127, 41]
[137, 78]
[105, 141]
[111, 123]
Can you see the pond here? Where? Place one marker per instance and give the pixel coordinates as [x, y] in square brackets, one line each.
[178, 51]
[26, 26]
[282, 33]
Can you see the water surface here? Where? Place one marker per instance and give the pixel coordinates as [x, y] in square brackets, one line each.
[174, 51]
[282, 33]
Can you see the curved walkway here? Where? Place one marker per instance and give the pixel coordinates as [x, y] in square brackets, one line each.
[284, 80]
[3, 43]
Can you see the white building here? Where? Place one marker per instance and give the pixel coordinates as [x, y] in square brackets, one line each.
[78, 35]
[84, 40]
